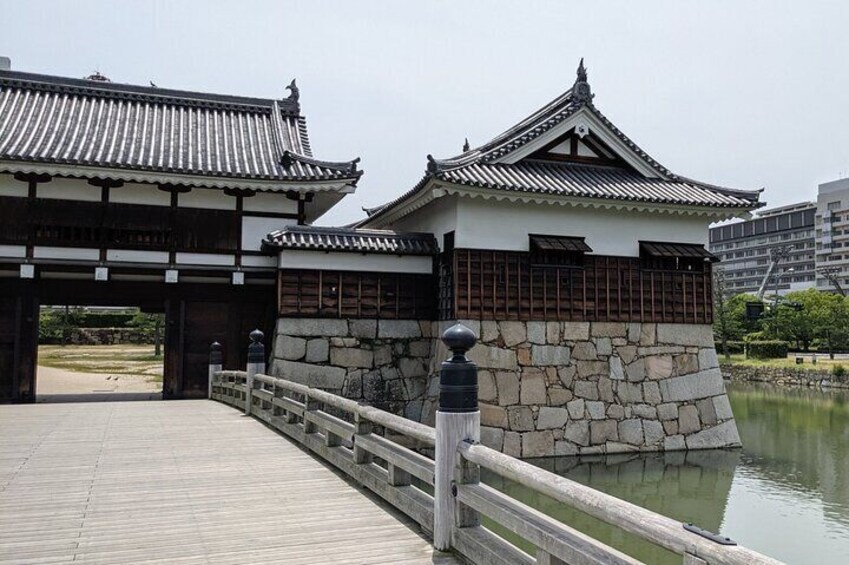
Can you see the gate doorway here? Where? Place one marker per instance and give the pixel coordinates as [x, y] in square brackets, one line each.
[90, 354]
[194, 315]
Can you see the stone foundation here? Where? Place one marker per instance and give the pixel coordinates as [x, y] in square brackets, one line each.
[545, 388]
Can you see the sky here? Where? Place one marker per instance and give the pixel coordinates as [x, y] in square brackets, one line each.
[739, 93]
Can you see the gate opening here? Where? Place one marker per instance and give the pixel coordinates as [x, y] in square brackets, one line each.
[99, 353]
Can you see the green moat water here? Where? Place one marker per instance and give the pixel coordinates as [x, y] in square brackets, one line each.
[786, 493]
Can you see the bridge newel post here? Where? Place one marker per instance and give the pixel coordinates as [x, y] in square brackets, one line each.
[256, 366]
[216, 363]
[457, 420]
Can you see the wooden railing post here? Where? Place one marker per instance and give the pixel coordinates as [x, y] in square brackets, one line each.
[466, 473]
[256, 366]
[310, 405]
[216, 363]
[457, 419]
[361, 427]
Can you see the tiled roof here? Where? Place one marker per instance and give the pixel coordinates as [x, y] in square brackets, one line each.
[579, 180]
[480, 167]
[663, 249]
[62, 121]
[313, 238]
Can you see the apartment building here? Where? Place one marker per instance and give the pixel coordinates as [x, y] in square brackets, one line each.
[832, 235]
[743, 248]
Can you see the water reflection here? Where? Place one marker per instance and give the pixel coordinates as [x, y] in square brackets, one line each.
[785, 494]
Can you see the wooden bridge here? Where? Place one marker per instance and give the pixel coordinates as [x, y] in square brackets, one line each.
[199, 482]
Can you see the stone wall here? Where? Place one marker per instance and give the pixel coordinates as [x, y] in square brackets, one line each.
[545, 388]
[569, 388]
[110, 336]
[384, 363]
[785, 376]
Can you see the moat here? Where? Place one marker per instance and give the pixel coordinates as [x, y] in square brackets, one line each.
[786, 493]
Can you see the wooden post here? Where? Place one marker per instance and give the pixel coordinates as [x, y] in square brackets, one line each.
[457, 419]
[256, 366]
[361, 427]
[216, 363]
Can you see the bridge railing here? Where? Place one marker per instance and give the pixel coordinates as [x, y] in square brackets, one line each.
[384, 453]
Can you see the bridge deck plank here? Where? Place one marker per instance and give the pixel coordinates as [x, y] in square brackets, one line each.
[180, 482]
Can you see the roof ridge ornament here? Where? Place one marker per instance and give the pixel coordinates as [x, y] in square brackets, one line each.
[466, 146]
[295, 92]
[581, 92]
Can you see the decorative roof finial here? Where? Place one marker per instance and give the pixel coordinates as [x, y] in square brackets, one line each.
[581, 92]
[432, 165]
[295, 92]
[466, 146]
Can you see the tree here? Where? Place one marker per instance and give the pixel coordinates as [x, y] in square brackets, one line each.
[822, 316]
[729, 314]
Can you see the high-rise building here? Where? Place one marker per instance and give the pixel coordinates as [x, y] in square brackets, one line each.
[832, 235]
[743, 248]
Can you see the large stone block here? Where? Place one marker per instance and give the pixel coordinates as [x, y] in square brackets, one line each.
[586, 389]
[595, 410]
[688, 419]
[692, 387]
[398, 329]
[352, 357]
[577, 432]
[550, 418]
[508, 387]
[576, 408]
[576, 331]
[629, 393]
[686, 364]
[521, 418]
[412, 367]
[617, 372]
[592, 368]
[487, 391]
[489, 331]
[722, 407]
[722, 435]
[602, 431]
[558, 396]
[290, 348]
[512, 444]
[543, 355]
[324, 327]
[635, 372]
[667, 411]
[631, 431]
[605, 389]
[493, 357]
[563, 448]
[648, 334]
[537, 444]
[707, 358]
[493, 416]
[513, 333]
[319, 376]
[685, 334]
[536, 332]
[608, 329]
[492, 437]
[644, 411]
[364, 328]
[674, 443]
[552, 333]
[317, 350]
[604, 346]
[420, 348]
[532, 386]
[584, 350]
[707, 411]
[658, 366]
[653, 432]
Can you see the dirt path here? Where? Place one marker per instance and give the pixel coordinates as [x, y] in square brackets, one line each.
[61, 384]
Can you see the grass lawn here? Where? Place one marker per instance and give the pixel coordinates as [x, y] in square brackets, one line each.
[823, 362]
[115, 359]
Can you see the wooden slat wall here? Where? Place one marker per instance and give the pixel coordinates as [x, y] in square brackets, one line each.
[504, 285]
[346, 294]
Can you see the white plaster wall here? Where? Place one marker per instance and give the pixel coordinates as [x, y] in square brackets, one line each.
[13, 251]
[134, 193]
[258, 261]
[489, 224]
[439, 217]
[254, 230]
[68, 189]
[75, 253]
[205, 259]
[270, 202]
[340, 261]
[11, 187]
[137, 256]
[208, 198]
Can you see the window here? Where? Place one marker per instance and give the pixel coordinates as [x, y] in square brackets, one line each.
[833, 205]
[558, 250]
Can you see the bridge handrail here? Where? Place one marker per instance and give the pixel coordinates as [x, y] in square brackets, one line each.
[353, 448]
[645, 524]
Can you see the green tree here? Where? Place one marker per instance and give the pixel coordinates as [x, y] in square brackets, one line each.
[821, 317]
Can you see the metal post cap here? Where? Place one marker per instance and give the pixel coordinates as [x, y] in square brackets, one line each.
[256, 350]
[256, 336]
[216, 356]
[459, 339]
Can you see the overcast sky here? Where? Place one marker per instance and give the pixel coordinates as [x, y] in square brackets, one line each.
[737, 93]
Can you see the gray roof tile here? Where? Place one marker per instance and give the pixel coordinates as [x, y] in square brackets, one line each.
[313, 238]
[46, 119]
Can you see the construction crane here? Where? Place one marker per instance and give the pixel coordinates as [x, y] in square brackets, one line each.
[832, 275]
[776, 255]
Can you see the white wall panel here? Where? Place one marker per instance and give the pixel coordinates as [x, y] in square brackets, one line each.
[489, 224]
[134, 193]
[68, 189]
[439, 217]
[205, 259]
[13, 251]
[136, 256]
[340, 261]
[11, 187]
[270, 202]
[254, 230]
[74, 253]
[208, 198]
